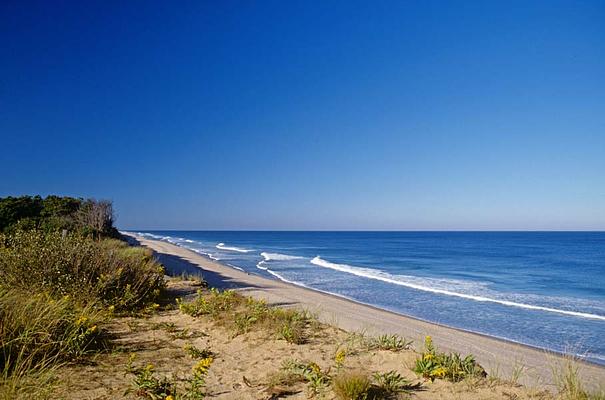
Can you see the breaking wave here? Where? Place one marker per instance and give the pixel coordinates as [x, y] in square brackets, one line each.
[439, 287]
[222, 246]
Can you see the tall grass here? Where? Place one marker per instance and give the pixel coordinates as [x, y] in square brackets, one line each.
[55, 293]
[37, 333]
[567, 379]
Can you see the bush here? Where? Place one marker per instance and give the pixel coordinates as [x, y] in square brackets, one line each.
[107, 271]
[317, 380]
[351, 386]
[433, 364]
[391, 383]
[390, 342]
[90, 217]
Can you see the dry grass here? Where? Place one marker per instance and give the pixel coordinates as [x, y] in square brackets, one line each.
[56, 292]
[241, 314]
[569, 383]
[352, 386]
[255, 365]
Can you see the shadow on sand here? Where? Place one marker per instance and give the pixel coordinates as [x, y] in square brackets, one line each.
[177, 266]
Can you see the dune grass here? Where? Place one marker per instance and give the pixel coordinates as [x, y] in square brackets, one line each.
[241, 314]
[569, 383]
[56, 291]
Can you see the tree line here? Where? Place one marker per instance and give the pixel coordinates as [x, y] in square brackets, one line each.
[51, 213]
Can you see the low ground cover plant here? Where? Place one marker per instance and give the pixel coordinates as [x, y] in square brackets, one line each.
[242, 314]
[149, 385]
[390, 342]
[434, 364]
[345, 383]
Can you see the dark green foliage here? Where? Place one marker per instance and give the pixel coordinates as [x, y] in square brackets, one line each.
[53, 213]
[434, 364]
[15, 209]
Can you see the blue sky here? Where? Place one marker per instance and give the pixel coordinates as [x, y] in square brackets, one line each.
[309, 115]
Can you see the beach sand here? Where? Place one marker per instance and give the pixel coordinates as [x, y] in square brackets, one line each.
[499, 357]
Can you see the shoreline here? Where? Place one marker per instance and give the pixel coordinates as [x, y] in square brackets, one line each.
[498, 355]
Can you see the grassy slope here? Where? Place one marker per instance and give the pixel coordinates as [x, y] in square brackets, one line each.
[249, 365]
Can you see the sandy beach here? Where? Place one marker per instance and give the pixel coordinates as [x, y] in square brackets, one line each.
[497, 356]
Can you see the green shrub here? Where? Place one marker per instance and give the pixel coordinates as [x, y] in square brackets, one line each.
[197, 353]
[391, 383]
[317, 379]
[390, 342]
[88, 217]
[147, 385]
[351, 386]
[107, 271]
[433, 364]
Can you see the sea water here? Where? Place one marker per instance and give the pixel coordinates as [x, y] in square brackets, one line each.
[544, 289]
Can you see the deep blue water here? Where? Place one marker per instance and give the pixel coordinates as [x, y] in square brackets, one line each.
[545, 289]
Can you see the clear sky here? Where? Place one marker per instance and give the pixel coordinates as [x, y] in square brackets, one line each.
[311, 114]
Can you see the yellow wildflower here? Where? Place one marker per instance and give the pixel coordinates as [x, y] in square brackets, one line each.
[428, 356]
[81, 321]
[439, 372]
[169, 397]
[315, 368]
[201, 368]
[339, 358]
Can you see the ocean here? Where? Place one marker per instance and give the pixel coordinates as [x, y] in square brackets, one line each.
[543, 289]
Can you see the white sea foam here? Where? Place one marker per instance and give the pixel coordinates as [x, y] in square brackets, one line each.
[236, 267]
[413, 282]
[278, 257]
[281, 278]
[222, 246]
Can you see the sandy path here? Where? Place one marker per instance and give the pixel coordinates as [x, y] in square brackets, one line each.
[497, 356]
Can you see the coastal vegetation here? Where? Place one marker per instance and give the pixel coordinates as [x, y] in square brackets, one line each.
[55, 213]
[433, 364]
[85, 315]
[62, 277]
[241, 314]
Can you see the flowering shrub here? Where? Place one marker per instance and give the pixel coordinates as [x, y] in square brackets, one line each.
[433, 364]
[148, 385]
